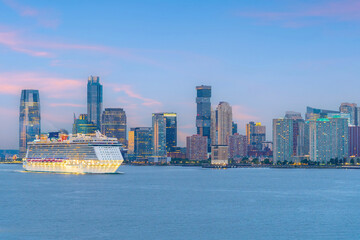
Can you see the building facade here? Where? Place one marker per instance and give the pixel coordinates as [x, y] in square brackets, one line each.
[83, 125]
[171, 131]
[351, 109]
[196, 148]
[94, 100]
[142, 142]
[203, 112]
[29, 118]
[256, 134]
[283, 139]
[219, 154]
[354, 141]
[159, 134]
[328, 139]
[113, 124]
[237, 146]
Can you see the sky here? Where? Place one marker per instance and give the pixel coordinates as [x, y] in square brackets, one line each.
[264, 57]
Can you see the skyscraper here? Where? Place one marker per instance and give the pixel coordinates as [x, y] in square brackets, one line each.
[350, 108]
[283, 139]
[94, 100]
[164, 133]
[298, 132]
[203, 116]
[159, 134]
[171, 131]
[113, 124]
[328, 139]
[29, 119]
[224, 123]
[196, 147]
[315, 113]
[256, 134]
[142, 142]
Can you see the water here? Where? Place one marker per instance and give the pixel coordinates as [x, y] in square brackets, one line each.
[181, 203]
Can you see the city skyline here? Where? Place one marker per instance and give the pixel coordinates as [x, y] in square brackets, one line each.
[257, 57]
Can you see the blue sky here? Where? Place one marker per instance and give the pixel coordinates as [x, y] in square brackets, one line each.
[263, 57]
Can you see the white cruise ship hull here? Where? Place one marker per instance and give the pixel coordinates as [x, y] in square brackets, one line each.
[73, 166]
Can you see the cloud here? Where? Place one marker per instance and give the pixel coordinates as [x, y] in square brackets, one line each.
[55, 87]
[44, 17]
[127, 89]
[12, 41]
[340, 10]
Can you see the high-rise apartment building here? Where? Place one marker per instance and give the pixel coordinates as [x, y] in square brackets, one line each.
[224, 123]
[196, 148]
[283, 139]
[83, 126]
[203, 115]
[256, 134]
[350, 108]
[237, 146]
[298, 133]
[29, 119]
[328, 139]
[94, 100]
[113, 124]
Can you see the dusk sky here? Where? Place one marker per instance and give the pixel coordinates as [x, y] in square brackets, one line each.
[264, 57]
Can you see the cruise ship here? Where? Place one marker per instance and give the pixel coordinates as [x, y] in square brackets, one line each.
[76, 153]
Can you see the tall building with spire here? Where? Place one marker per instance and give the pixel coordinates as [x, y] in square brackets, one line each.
[29, 119]
[203, 114]
[94, 100]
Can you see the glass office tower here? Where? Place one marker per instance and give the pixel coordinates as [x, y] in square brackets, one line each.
[203, 116]
[29, 120]
[94, 100]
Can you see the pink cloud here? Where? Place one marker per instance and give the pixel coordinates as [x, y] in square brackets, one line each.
[12, 83]
[127, 89]
[341, 10]
[43, 17]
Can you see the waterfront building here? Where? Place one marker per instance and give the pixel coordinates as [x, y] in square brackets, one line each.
[298, 129]
[354, 141]
[159, 134]
[328, 139]
[83, 125]
[234, 128]
[237, 146]
[178, 153]
[219, 154]
[283, 139]
[315, 113]
[142, 142]
[29, 118]
[164, 133]
[203, 113]
[131, 141]
[196, 148]
[256, 134]
[113, 124]
[94, 100]
[171, 131]
[222, 124]
[352, 110]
